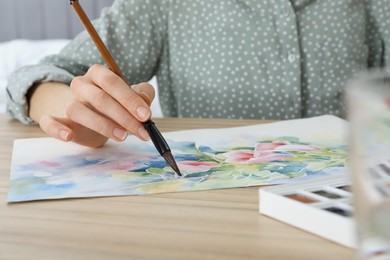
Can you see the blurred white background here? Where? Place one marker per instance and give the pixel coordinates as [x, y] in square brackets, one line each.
[17, 53]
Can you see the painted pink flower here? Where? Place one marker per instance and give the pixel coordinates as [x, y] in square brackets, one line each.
[269, 146]
[284, 146]
[266, 152]
[194, 166]
[249, 156]
[48, 164]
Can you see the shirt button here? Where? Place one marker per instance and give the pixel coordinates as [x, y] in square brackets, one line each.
[291, 57]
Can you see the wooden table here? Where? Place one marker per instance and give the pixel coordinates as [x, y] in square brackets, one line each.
[216, 224]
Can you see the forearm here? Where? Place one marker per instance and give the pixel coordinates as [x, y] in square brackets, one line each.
[48, 98]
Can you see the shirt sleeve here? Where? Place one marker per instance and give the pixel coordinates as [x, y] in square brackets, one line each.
[133, 31]
[378, 32]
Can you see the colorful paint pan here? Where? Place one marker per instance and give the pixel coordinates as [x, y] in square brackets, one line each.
[339, 211]
[327, 194]
[301, 198]
[344, 188]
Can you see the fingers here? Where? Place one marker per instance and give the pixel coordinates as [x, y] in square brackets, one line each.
[55, 128]
[79, 113]
[103, 107]
[119, 90]
[111, 119]
[95, 98]
[67, 130]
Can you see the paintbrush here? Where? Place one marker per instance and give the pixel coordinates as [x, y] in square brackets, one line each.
[155, 135]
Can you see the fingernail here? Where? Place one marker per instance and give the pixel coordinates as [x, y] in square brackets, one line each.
[143, 133]
[120, 134]
[64, 135]
[142, 113]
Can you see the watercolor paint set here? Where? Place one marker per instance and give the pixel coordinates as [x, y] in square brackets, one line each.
[322, 206]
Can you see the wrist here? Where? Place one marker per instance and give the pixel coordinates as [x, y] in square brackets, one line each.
[49, 98]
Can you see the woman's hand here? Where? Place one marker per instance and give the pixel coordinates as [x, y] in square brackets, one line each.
[97, 106]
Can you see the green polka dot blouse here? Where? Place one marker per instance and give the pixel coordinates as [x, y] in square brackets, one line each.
[255, 59]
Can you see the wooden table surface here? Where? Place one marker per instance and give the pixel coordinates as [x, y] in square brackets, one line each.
[215, 224]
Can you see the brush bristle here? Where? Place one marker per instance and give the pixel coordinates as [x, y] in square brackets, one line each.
[171, 161]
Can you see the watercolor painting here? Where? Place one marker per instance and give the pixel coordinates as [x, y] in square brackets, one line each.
[44, 168]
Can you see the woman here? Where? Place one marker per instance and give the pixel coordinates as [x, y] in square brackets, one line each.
[218, 59]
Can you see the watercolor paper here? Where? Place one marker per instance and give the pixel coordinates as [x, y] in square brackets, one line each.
[281, 152]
